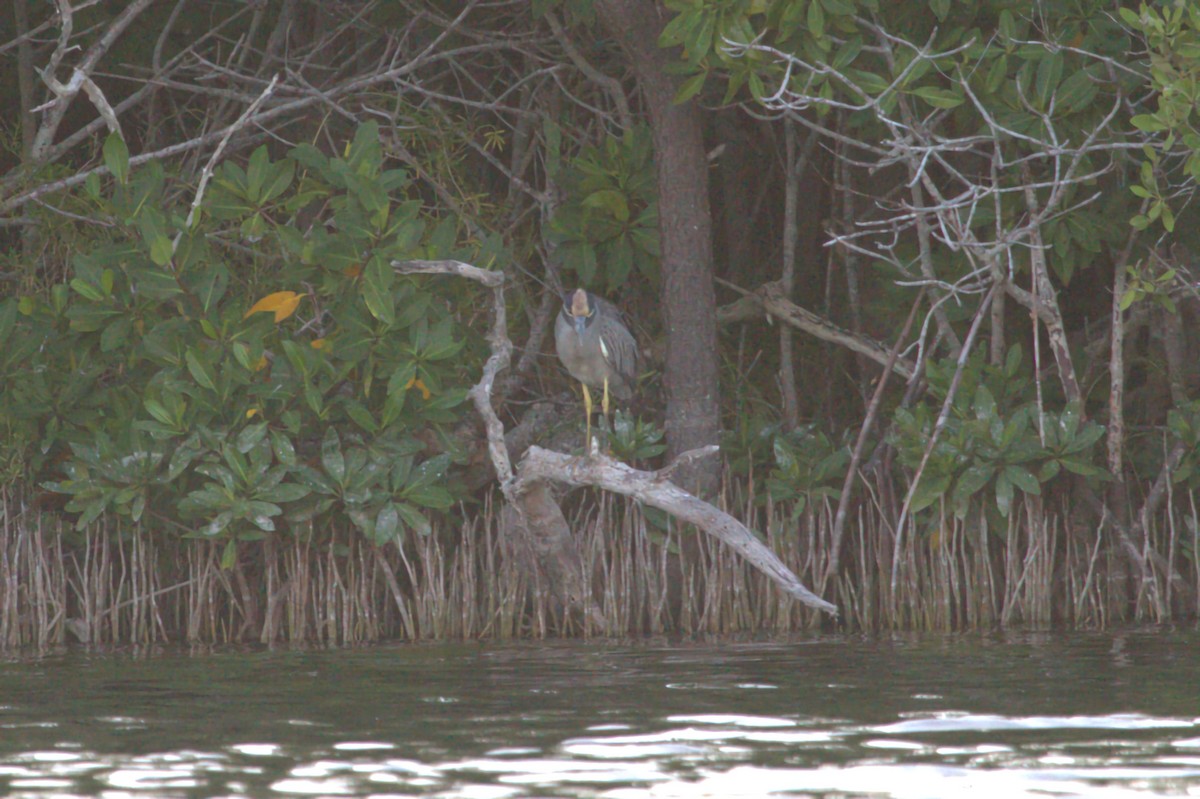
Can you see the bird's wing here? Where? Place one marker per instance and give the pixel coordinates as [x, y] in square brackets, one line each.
[624, 353]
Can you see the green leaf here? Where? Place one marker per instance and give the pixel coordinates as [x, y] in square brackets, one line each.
[413, 518]
[971, 482]
[1023, 479]
[183, 456]
[690, 87]
[279, 181]
[429, 496]
[848, 52]
[1012, 361]
[281, 445]
[161, 251]
[362, 416]
[210, 288]
[377, 290]
[116, 335]
[116, 157]
[1148, 123]
[256, 173]
[387, 524]
[1086, 437]
[816, 19]
[1008, 25]
[251, 436]
[156, 409]
[201, 370]
[610, 200]
[332, 458]
[1078, 91]
[1082, 468]
[1049, 471]
[939, 97]
[1049, 74]
[698, 43]
[229, 556]
[1004, 494]
[675, 31]
[1130, 17]
[285, 492]
[930, 490]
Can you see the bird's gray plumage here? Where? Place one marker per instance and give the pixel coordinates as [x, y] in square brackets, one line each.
[594, 343]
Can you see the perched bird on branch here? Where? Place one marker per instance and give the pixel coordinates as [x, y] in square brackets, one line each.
[597, 348]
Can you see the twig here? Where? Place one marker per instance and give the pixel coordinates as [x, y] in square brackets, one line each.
[83, 71]
[769, 298]
[938, 426]
[860, 445]
[481, 392]
[207, 172]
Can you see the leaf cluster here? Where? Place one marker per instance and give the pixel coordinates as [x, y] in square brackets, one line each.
[234, 370]
[994, 443]
[609, 216]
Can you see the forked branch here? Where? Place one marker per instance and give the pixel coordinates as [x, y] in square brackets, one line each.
[541, 466]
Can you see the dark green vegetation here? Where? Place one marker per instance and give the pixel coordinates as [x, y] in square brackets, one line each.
[225, 416]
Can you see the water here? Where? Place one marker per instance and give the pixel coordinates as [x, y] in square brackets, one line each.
[1049, 715]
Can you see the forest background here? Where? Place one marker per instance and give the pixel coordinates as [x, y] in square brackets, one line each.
[924, 270]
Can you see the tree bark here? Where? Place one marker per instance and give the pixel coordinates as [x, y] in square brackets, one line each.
[685, 226]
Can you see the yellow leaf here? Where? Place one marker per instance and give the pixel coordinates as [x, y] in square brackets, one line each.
[282, 303]
[425, 392]
[320, 344]
[352, 271]
[250, 413]
[261, 364]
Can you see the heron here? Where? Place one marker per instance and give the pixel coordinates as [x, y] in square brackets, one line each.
[597, 348]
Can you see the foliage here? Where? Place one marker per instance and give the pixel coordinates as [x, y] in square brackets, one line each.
[156, 384]
[1144, 282]
[1172, 35]
[1183, 427]
[634, 439]
[609, 215]
[994, 444]
[983, 67]
[807, 465]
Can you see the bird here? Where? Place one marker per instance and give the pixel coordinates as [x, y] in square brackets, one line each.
[596, 347]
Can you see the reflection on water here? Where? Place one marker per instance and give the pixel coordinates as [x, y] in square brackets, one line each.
[1028, 716]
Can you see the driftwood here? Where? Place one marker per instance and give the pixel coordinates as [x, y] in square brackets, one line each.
[532, 510]
[654, 489]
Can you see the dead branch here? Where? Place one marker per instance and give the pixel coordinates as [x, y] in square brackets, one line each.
[81, 78]
[649, 487]
[536, 510]
[938, 427]
[770, 298]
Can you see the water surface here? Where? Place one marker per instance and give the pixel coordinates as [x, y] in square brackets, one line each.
[1045, 715]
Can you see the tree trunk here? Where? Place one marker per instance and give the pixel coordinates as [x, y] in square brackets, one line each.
[685, 225]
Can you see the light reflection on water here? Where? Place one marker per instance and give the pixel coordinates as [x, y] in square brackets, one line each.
[1024, 716]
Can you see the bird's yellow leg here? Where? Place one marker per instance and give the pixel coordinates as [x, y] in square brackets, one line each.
[587, 407]
[604, 401]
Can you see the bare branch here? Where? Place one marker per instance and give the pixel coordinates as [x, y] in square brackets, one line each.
[64, 94]
[650, 488]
